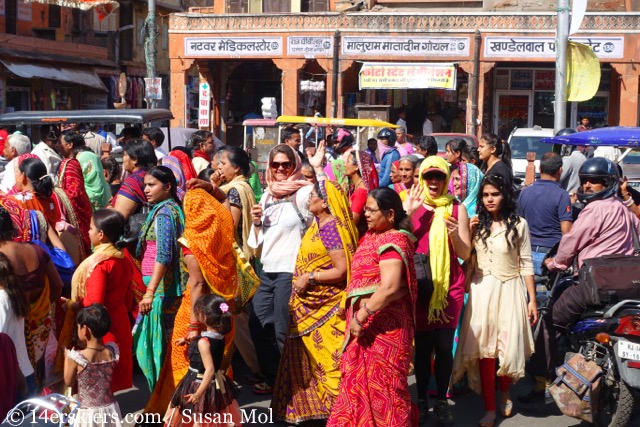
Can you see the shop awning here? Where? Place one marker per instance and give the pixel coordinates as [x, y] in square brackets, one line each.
[86, 77]
[411, 75]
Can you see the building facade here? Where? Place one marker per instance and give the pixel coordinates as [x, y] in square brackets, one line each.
[500, 62]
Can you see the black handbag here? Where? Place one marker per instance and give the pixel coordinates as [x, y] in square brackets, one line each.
[134, 227]
[423, 275]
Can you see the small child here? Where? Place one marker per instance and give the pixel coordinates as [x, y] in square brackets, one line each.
[93, 368]
[204, 396]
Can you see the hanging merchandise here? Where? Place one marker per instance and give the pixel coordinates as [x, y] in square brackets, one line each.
[311, 86]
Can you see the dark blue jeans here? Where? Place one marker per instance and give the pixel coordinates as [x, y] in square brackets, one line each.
[269, 321]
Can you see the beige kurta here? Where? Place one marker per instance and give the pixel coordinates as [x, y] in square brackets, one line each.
[495, 323]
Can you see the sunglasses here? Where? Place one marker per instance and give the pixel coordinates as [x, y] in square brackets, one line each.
[593, 181]
[438, 176]
[278, 165]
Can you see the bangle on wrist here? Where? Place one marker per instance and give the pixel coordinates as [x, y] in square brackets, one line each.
[312, 278]
[368, 310]
[628, 203]
[355, 317]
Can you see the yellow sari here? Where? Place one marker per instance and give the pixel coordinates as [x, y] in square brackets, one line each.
[309, 374]
[37, 328]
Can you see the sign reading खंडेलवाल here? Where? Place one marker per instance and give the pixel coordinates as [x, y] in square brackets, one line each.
[385, 75]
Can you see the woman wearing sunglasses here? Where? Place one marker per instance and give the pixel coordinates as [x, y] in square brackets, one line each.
[441, 226]
[279, 222]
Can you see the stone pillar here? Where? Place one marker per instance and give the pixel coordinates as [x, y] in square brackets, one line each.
[327, 64]
[179, 71]
[484, 91]
[629, 81]
[290, 68]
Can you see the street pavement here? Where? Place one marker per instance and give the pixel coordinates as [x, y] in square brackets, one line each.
[467, 408]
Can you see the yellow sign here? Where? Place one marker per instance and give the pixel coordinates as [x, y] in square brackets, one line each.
[583, 72]
[378, 75]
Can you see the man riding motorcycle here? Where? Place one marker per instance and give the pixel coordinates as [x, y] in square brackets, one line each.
[604, 227]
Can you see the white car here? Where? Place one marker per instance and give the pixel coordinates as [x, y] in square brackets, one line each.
[526, 140]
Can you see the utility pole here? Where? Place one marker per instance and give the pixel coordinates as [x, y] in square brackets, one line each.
[562, 37]
[150, 42]
[336, 74]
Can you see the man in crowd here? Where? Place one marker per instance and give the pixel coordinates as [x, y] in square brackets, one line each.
[291, 137]
[155, 136]
[16, 145]
[388, 154]
[547, 209]
[203, 148]
[604, 227]
[584, 125]
[402, 119]
[45, 150]
[427, 146]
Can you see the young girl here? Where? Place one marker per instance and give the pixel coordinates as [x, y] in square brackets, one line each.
[498, 318]
[204, 396]
[93, 368]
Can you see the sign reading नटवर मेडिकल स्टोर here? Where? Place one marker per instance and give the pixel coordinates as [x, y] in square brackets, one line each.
[385, 75]
[232, 46]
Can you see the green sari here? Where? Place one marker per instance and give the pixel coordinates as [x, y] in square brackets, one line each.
[152, 332]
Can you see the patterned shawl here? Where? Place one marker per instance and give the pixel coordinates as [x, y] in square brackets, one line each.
[318, 304]
[133, 188]
[95, 184]
[247, 198]
[187, 166]
[367, 170]
[293, 183]
[174, 164]
[71, 181]
[209, 235]
[470, 179]
[20, 218]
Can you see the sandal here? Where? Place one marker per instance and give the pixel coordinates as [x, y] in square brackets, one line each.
[506, 405]
[488, 420]
[262, 388]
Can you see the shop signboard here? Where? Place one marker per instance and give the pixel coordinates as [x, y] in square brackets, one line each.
[232, 46]
[310, 46]
[545, 47]
[204, 105]
[384, 75]
[25, 11]
[153, 88]
[405, 46]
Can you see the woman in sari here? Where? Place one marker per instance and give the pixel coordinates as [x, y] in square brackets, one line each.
[233, 168]
[185, 161]
[207, 245]
[71, 181]
[165, 281]
[378, 342]
[176, 167]
[104, 278]
[40, 284]
[309, 374]
[396, 180]
[465, 184]
[95, 184]
[138, 158]
[363, 178]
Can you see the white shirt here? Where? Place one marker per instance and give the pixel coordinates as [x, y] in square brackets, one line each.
[159, 154]
[200, 164]
[14, 327]
[282, 230]
[49, 157]
[427, 127]
[9, 176]
[611, 153]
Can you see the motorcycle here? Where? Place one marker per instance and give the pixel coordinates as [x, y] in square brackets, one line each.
[610, 337]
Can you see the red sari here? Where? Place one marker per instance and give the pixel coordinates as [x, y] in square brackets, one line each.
[71, 180]
[374, 390]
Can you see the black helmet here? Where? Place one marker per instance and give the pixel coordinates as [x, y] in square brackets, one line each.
[566, 131]
[604, 169]
[389, 135]
[342, 139]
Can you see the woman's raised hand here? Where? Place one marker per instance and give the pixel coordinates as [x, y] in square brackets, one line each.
[414, 199]
[198, 183]
[317, 160]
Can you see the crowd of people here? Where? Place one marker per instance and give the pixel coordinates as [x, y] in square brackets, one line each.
[348, 271]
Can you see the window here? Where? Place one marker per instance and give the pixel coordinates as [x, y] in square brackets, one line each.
[54, 16]
[237, 6]
[314, 6]
[275, 6]
[11, 13]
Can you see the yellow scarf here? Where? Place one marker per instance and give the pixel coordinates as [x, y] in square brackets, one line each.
[248, 200]
[102, 252]
[439, 256]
